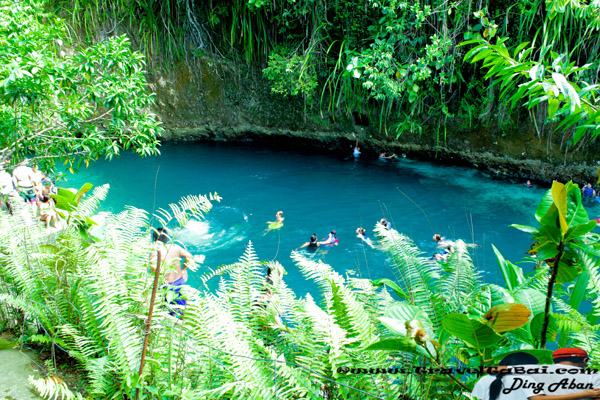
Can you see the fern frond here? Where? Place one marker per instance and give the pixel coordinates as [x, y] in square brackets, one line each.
[418, 275]
[460, 279]
[88, 206]
[317, 271]
[52, 389]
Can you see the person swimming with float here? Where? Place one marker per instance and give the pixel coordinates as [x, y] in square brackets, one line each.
[331, 239]
[278, 223]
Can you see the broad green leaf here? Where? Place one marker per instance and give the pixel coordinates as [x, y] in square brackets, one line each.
[567, 90]
[392, 285]
[63, 203]
[524, 228]
[569, 268]
[580, 230]
[403, 311]
[84, 189]
[550, 233]
[536, 327]
[546, 250]
[545, 204]
[519, 48]
[536, 71]
[472, 332]
[500, 295]
[396, 326]
[66, 193]
[580, 290]
[533, 299]
[553, 105]
[576, 213]
[513, 275]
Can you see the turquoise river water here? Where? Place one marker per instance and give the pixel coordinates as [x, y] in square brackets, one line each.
[317, 193]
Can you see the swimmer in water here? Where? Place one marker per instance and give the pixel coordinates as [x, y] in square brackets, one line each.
[279, 217]
[278, 223]
[361, 233]
[386, 224]
[331, 239]
[442, 242]
[384, 156]
[313, 244]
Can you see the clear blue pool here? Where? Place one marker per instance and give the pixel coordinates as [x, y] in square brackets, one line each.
[318, 193]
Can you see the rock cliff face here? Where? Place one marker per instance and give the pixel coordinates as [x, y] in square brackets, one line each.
[210, 99]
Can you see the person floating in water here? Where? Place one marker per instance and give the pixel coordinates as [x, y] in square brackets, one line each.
[528, 184]
[383, 156]
[170, 255]
[442, 242]
[362, 234]
[386, 224]
[278, 223]
[313, 244]
[356, 152]
[331, 239]
[443, 255]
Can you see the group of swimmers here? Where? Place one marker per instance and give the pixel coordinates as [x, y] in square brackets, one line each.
[445, 247]
[314, 243]
[32, 186]
[332, 240]
[383, 156]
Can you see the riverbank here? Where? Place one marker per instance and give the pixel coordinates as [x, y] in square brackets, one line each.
[494, 163]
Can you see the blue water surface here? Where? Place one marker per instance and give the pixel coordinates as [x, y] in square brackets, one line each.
[317, 193]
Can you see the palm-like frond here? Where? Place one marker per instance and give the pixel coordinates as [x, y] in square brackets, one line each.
[248, 339]
[52, 388]
[460, 279]
[418, 275]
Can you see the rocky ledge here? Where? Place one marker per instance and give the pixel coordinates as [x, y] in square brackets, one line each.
[516, 166]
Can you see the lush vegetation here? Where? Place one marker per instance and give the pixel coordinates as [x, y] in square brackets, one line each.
[395, 63]
[89, 297]
[88, 294]
[62, 102]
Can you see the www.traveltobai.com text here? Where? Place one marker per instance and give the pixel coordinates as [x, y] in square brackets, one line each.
[518, 370]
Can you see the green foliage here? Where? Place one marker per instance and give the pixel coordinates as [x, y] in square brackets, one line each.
[59, 102]
[564, 233]
[544, 74]
[252, 338]
[248, 339]
[396, 62]
[441, 312]
[290, 74]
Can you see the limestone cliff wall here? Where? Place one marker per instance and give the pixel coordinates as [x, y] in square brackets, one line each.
[212, 99]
